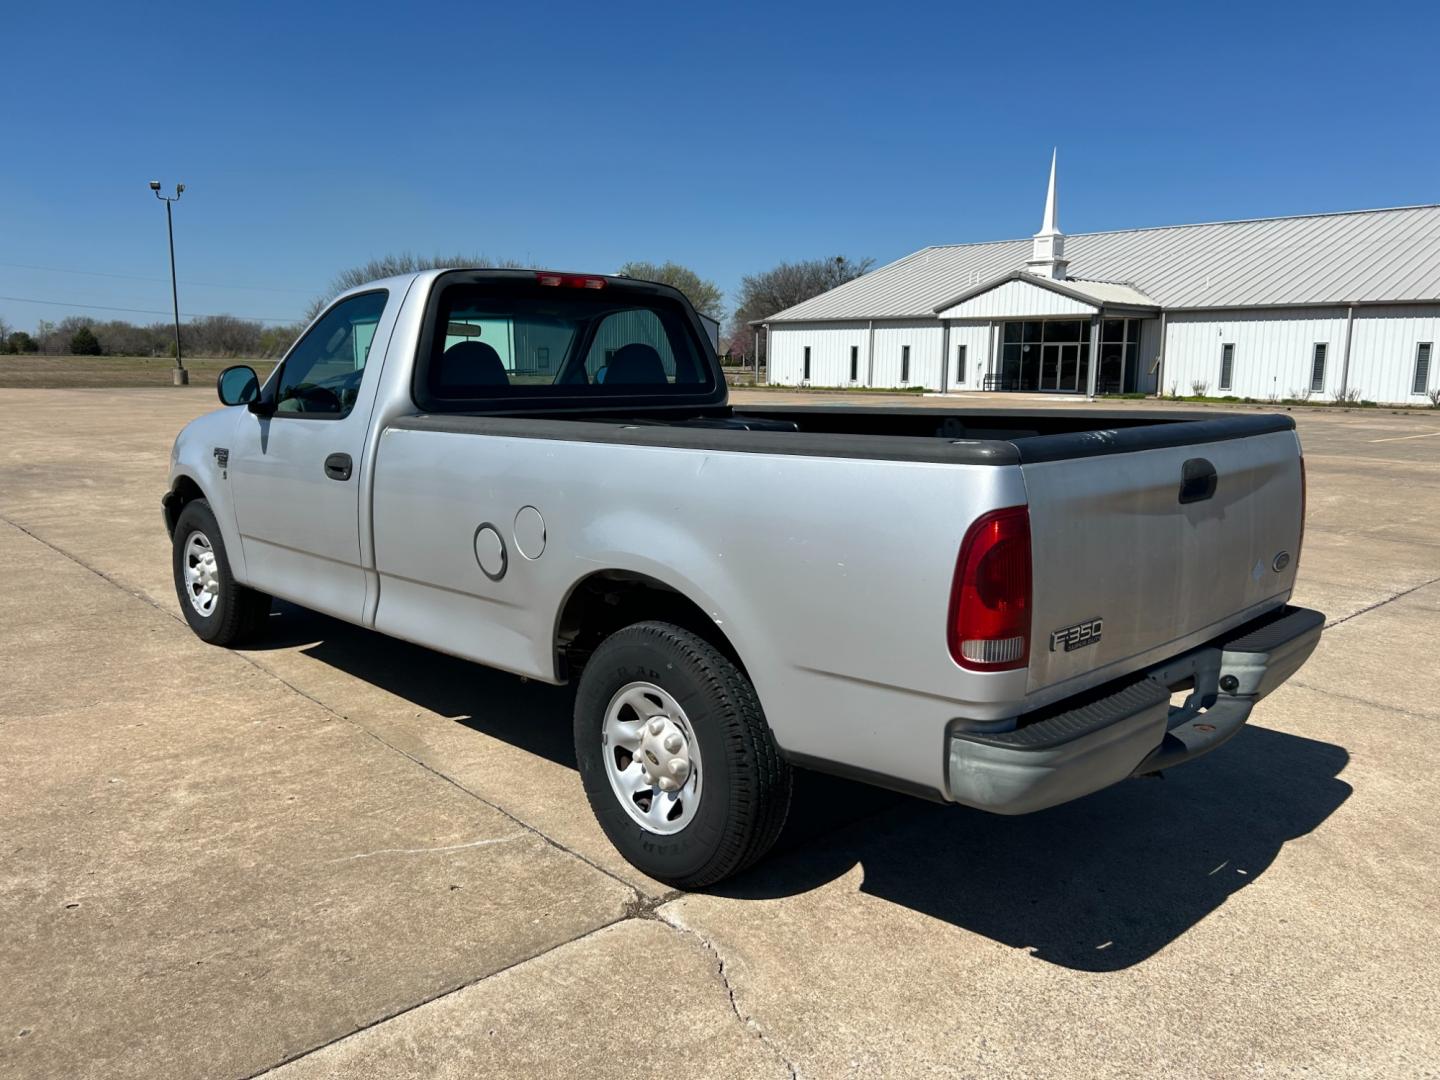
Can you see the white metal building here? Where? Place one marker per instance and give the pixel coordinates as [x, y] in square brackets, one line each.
[1330, 305]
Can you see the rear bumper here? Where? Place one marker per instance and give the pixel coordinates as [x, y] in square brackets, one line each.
[1081, 746]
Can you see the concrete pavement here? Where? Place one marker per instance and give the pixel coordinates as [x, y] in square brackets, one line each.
[366, 859]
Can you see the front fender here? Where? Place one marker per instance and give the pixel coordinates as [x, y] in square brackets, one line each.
[200, 457]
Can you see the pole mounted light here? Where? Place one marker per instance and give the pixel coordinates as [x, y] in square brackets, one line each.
[182, 377]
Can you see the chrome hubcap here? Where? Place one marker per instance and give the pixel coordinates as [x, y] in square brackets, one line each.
[202, 575]
[652, 758]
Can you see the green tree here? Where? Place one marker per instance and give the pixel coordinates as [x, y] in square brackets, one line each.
[84, 343]
[706, 296]
[21, 342]
[404, 262]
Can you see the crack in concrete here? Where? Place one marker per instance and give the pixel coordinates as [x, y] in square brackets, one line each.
[1383, 706]
[1382, 603]
[433, 850]
[748, 1022]
[644, 907]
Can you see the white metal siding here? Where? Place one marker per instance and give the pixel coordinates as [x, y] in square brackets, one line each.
[829, 344]
[1149, 351]
[1273, 350]
[1017, 299]
[923, 337]
[976, 339]
[1382, 352]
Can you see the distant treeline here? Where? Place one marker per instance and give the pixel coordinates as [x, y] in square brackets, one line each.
[225, 336]
[211, 335]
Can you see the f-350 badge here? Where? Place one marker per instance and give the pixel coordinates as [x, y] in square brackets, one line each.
[1076, 636]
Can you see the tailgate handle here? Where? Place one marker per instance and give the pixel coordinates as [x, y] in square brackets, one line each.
[1197, 480]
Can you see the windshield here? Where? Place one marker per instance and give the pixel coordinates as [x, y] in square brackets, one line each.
[518, 339]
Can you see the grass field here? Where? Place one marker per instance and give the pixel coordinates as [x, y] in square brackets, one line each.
[50, 372]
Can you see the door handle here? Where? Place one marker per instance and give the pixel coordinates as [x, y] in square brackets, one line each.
[338, 466]
[1197, 480]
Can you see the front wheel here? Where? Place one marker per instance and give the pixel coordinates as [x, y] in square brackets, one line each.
[677, 759]
[218, 608]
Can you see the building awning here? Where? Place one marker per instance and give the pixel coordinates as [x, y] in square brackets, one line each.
[1019, 295]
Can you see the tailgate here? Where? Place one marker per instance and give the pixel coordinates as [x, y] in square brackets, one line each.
[1114, 541]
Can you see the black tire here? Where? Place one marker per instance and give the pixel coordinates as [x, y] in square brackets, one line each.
[746, 792]
[239, 613]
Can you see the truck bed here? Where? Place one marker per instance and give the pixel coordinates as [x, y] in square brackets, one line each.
[978, 437]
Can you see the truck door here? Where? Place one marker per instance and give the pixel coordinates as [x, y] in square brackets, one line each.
[295, 475]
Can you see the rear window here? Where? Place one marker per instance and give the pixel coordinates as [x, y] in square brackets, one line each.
[512, 341]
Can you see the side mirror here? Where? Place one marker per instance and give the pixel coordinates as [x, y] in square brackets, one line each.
[238, 385]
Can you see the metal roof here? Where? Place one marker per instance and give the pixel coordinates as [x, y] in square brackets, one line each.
[1099, 293]
[1359, 256]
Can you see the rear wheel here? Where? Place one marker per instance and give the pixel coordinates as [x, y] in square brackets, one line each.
[677, 760]
[218, 608]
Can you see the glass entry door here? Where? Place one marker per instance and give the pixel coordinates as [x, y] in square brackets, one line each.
[1060, 367]
[1049, 355]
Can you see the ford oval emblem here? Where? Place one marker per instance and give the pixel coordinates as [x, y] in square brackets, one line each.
[1280, 561]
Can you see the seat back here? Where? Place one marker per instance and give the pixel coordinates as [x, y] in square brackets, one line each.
[469, 363]
[635, 364]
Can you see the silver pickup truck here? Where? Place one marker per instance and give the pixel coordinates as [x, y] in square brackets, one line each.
[541, 472]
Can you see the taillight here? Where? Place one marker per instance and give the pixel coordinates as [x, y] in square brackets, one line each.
[1300, 543]
[569, 281]
[990, 597]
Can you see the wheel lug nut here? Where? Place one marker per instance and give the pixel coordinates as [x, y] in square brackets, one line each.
[677, 766]
[666, 784]
[673, 742]
[657, 725]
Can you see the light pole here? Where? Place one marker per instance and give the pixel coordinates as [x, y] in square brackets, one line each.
[182, 377]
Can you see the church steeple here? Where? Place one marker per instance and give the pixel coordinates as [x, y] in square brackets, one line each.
[1047, 258]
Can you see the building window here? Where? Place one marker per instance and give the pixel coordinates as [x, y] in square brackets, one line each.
[1422, 368]
[1317, 368]
[904, 363]
[854, 363]
[807, 363]
[959, 365]
[1227, 365]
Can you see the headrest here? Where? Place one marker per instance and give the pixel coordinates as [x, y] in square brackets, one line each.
[635, 365]
[472, 363]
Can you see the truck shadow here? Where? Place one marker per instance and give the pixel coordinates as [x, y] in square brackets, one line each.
[1097, 885]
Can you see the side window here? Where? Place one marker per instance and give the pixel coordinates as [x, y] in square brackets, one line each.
[631, 348]
[322, 374]
[1317, 368]
[1421, 382]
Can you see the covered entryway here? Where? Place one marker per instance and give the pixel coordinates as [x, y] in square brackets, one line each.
[1045, 333]
[1053, 355]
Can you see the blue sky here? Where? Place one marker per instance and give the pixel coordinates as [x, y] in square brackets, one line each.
[726, 137]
